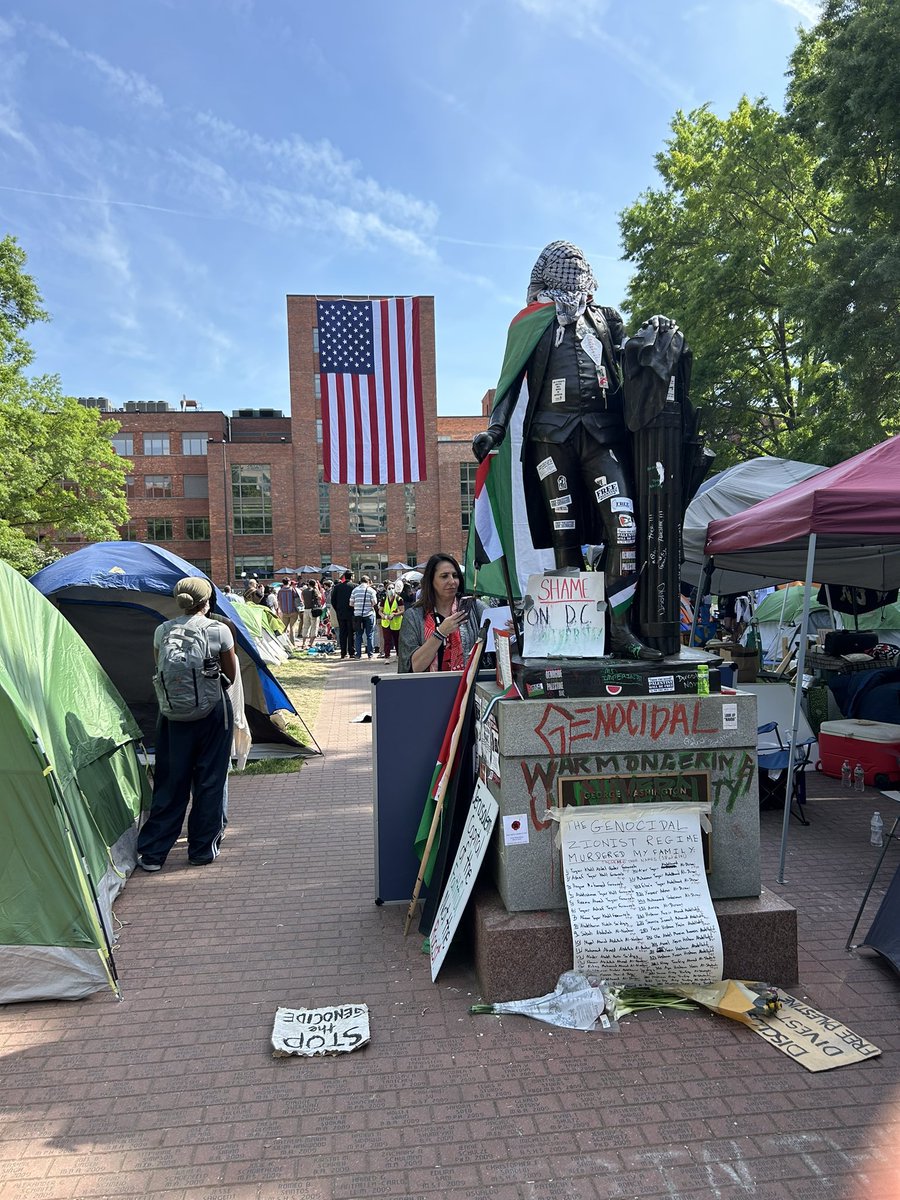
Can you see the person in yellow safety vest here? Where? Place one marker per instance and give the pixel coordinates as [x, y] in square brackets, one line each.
[391, 615]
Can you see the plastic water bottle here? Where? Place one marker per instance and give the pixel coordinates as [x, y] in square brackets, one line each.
[877, 829]
[846, 781]
[859, 778]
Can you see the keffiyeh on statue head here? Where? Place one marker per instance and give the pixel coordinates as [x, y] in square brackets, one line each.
[562, 274]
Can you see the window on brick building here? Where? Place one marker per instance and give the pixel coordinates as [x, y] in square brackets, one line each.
[409, 505]
[196, 486]
[317, 385]
[123, 444]
[202, 564]
[324, 503]
[196, 529]
[318, 431]
[315, 334]
[129, 487]
[367, 563]
[260, 565]
[158, 487]
[156, 443]
[467, 492]
[159, 529]
[194, 443]
[128, 532]
[251, 498]
[368, 508]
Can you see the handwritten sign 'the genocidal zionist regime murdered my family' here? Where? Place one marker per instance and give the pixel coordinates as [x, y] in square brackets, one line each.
[638, 898]
[565, 616]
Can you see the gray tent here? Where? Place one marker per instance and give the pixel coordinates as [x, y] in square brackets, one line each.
[723, 495]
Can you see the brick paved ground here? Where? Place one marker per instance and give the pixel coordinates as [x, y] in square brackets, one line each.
[174, 1092]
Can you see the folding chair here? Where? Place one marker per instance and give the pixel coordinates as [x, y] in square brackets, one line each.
[773, 757]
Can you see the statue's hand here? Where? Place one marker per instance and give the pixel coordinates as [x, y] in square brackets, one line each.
[660, 322]
[483, 444]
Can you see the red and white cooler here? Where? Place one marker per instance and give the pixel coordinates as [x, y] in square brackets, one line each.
[875, 744]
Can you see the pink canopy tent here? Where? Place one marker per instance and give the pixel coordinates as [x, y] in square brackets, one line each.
[851, 511]
[839, 527]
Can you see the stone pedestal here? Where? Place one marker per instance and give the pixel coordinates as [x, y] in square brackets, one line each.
[523, 954]
[537, 754]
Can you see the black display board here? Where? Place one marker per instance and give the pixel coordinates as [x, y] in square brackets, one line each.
[409, 718]
[884, 935]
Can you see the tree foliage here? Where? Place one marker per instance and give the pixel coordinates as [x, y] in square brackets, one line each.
[844, 100]
[60, 474]
[722, 247]
[20, 306]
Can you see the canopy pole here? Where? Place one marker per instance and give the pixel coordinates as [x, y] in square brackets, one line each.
[778, 654]
[798, 696]
[703, 585]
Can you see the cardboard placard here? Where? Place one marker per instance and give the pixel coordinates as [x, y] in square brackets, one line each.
[473, 846]
[565, 616]
[312, 1031]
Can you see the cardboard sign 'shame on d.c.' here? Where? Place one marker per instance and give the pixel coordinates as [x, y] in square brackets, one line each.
[311, 1031]
[565, 616]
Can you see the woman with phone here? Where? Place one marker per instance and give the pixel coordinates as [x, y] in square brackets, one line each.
[440, 629]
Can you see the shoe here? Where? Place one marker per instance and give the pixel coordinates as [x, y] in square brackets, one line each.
[148, 866]
[370, 656]
[343, 656]
[200, 862]
[625, 644]
[357, 656]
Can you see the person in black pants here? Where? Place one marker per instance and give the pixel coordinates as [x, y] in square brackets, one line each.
[340, 602]
[192, 756]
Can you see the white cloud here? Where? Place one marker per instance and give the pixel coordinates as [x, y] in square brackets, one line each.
[591, 20]
[807, 9]
[129, 83]
[11, 127]
[321, 165]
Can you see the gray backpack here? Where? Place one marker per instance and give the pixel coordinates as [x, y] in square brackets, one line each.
[187, 674]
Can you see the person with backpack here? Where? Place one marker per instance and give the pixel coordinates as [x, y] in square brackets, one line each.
[195, 662]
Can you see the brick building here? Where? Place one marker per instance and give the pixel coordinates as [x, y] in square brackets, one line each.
[246, 493]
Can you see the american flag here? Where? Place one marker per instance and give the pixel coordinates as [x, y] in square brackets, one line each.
[373, 426]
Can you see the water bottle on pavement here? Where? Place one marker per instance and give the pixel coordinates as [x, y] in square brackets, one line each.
[859, 778]
[845, 775]
[877, 829]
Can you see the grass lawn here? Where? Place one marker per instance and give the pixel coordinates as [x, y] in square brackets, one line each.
[304, 681]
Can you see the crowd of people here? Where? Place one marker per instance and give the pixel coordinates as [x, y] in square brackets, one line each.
[352, 617]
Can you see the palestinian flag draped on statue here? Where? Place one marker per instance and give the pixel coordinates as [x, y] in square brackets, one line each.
[500, 519]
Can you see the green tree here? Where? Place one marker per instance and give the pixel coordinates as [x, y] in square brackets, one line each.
[721, 247]
[60, 474]
[844, 100]
[20, 306]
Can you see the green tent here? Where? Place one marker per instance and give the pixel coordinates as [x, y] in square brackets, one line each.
[71, 791]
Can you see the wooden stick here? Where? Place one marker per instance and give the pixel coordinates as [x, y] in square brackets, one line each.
[442, 786]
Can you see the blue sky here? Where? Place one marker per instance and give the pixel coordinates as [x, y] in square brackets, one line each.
[174, 168]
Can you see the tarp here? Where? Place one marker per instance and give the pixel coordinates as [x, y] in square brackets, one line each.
[71, 789]
[116, 593]
[732, 491]
[853, 510]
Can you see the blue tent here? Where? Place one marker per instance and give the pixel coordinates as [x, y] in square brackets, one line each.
[116, 593]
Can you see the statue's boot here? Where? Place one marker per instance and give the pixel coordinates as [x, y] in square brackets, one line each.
[624, 643]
